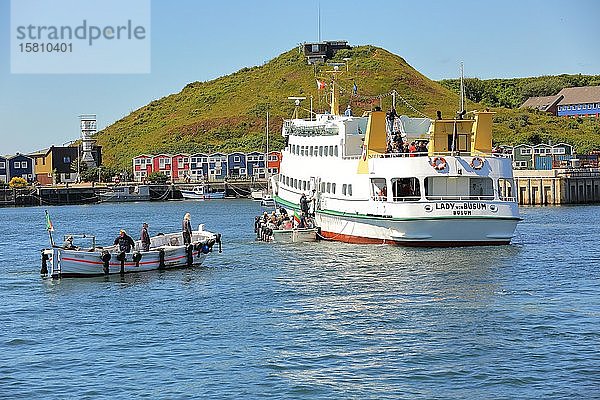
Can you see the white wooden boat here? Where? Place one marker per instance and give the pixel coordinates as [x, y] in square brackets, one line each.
[167, 251]
[126, 193]
[201, 193]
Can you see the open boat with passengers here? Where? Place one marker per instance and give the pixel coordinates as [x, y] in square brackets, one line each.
[167, 251]
[383, 178]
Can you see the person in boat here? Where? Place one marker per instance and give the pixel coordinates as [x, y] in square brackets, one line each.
[304, 205]
[145, 237]
[68, 244]
[348, 112]
[124, 241]
[287, 223]
[186, 227]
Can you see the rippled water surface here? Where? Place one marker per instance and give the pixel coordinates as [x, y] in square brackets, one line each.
[324, 320]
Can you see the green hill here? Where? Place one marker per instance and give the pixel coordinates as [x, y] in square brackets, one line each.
[228, 113]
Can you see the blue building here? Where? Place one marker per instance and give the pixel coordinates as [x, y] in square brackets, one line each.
[3, 170]
[217, 166]
[255, 164]
[236, 165]
[579, 102]
[199, 167]
[22, 166]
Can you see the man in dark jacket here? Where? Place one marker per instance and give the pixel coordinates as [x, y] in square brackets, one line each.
[124, 241]
[145, 237]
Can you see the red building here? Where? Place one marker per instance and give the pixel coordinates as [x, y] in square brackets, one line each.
[142, 167]
[180, 167]
[163, 163]
[273, 162]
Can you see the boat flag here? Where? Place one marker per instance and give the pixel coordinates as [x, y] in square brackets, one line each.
[321, 84]
[354, 89]
[296, 217]
[49, 226]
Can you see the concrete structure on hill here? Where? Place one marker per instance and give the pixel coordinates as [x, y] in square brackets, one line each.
[319, 52]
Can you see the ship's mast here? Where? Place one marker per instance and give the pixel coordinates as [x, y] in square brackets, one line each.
[462, 88]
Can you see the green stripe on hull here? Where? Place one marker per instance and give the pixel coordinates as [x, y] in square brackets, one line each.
[294, 206]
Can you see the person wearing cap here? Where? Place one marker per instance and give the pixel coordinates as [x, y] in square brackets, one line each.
[124, 241]
[145, 237]
[186, 227]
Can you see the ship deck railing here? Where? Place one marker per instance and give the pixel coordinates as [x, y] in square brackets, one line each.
[425, 154]
[400, 199]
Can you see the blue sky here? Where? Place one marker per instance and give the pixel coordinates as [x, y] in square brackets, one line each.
[200, 40]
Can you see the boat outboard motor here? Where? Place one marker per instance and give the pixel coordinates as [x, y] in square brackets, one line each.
[137, 256]
[44, 270]
[218, 240]
[105, 259]
[161, 259]
[121, 257]
[189, 250]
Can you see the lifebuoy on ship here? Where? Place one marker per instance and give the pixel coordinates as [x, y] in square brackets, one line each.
[477, 163]
[439, 163]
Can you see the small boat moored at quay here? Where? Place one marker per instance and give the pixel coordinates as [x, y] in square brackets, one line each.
[126, 193]
[201, 193]
[167, 251]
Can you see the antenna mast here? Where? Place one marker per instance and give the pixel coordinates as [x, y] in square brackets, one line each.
[462, 88]
[319, 22]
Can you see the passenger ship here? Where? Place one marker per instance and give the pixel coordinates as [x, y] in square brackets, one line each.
[456, 192]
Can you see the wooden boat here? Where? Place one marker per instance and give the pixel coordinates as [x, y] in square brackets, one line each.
[201, 193]
[126, 193]
[167, 251]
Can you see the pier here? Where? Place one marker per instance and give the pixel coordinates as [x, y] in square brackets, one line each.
[558, 186]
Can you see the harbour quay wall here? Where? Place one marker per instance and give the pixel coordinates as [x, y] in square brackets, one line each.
[558, 186]
[89, 193]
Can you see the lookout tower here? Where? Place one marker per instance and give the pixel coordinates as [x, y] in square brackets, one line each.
[88, 126]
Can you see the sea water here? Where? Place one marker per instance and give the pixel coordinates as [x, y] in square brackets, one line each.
[318, 320]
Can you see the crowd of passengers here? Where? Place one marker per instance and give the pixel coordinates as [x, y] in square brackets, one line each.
[396, 143]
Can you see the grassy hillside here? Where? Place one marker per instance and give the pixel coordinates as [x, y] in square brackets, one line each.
[228, 113]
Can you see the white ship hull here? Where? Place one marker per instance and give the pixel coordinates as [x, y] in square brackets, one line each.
[361, 193]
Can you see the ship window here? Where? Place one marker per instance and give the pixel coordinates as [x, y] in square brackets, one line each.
[333, 188]
[344, 189]
[378, 189]
[336, 150]
[331, 151]
[349, 190]
[320, 151]
[328, 187]
[322, 187]
[310, 152]
[506, 189]
[406, 189]
[326, 151]
[458, 188]
[303, 185]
